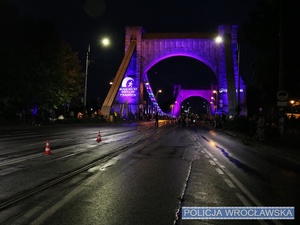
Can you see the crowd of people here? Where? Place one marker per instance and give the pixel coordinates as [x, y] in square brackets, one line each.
[260, 126]
[257, 127]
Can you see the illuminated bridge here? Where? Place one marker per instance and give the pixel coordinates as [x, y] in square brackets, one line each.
[143, 50]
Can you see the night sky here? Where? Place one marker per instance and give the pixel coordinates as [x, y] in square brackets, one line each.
[84, 22]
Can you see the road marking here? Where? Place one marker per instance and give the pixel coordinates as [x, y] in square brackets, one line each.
[208, 153]
[237, 182]
[243, 199]
[219, 171]
[229, 183]
[215, 159]
[247, 203]
[212, 162]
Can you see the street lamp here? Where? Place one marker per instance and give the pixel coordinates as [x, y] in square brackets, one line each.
[292, 102]
[156, 95]
[86, 75]
[219, 40]
[238, 108]
[172, 109]
[105, 42]
[111, 81]
[215, 95]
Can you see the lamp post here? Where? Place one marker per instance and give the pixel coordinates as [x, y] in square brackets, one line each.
[111, 81]
[218, 41]
[104, 42]
[215, 93]
[87, 62]
[156, 96]
[292, 102]
[238, 107]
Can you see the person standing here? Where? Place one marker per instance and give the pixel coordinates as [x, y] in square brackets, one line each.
[292, 122]
[223, 121]
[261, 128]
[282, 124]
[156, 119]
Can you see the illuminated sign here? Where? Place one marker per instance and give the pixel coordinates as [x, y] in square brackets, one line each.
[127, 88]
[224, 90]
[128, 91]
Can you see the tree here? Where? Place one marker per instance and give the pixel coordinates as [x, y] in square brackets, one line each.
[262, 33]
[270, 31]
[37, 67]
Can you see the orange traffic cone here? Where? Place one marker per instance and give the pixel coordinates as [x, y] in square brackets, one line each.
[47, 149]
[99, 137]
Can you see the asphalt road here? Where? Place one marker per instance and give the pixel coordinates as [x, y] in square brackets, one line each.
[137, 174]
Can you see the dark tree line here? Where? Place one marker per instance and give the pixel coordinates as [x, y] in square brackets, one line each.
[38, 69]
[270, 32]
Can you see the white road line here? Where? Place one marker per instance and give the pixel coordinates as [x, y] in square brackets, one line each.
[229, 183]
[219, 171]
[239, 184]
[247, 203]
[243, 199]
[209, 154]
[212, 162]
[215, 159]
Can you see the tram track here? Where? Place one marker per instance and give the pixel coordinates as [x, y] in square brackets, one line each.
[20, 156]
[135, 144]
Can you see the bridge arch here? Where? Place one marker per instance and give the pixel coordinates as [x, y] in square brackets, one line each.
[143, 50]
[185, 94]
[195, 104]
[168, 53]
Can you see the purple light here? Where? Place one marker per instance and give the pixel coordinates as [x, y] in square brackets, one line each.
[150, 51]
